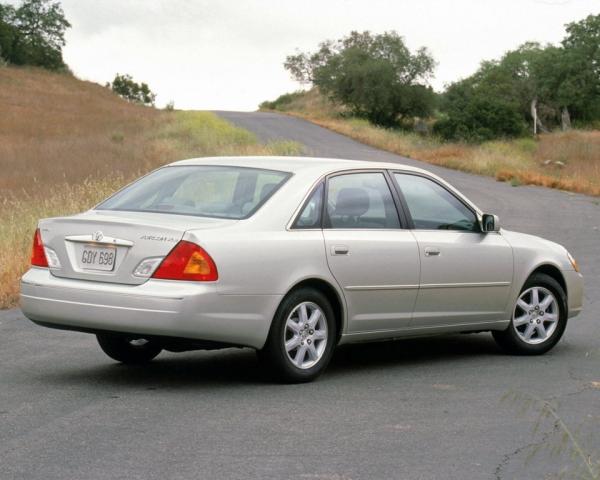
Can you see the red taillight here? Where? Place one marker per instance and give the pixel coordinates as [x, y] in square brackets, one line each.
[187, 261]
[38, 256]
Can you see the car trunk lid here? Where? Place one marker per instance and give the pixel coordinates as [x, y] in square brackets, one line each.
[107, 246]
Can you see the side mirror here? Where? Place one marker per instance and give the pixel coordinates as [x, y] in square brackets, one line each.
[490, 223]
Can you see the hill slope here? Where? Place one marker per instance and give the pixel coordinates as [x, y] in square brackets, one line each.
[56, 128]
[65, 144]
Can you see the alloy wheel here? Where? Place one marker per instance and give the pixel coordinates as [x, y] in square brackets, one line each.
[305, 335]
[536, 315]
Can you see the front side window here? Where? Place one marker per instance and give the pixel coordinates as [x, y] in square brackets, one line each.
[200, 190]
[360, 200]
[432, 207]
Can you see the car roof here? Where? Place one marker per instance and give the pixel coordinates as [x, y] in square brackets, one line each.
[314, 167]
[296, 164]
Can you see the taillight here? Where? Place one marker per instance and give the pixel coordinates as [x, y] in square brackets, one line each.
[187, 261]
[38, 256]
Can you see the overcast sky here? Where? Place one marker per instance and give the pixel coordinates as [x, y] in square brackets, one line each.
[211, 54]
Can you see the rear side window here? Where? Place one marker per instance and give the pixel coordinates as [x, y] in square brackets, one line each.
[360, 200]
[200, 190]
[432, 207]
[310, 216]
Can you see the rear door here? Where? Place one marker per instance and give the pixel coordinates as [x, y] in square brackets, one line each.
[374, 260]
[466, 275]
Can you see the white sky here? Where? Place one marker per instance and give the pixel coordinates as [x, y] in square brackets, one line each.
[210, 54]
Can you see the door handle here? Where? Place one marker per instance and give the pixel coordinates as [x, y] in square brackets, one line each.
[340, 250]
[432, 252]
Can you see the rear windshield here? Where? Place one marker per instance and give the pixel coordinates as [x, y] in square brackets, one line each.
[202, 190]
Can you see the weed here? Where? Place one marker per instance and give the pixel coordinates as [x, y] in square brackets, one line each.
[117, 137]
[562, 440]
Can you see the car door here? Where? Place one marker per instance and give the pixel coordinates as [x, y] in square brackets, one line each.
[465, 274]
[374, 260]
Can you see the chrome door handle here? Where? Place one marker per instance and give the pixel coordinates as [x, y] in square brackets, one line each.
[432, 252]
[340, 250]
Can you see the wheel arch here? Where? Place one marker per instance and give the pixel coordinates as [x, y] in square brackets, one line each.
[552, 271]
[547, 268]
[331, 293]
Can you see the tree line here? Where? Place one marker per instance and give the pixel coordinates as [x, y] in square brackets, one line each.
[33, 34]
[532, 88]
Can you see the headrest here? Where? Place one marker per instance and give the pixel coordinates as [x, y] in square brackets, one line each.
[266, 189]
[352, 202]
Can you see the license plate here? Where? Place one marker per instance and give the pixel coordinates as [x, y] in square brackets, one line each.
[92, 257]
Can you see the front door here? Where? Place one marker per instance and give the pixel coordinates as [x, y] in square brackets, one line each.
[374, 260]
[466, 275]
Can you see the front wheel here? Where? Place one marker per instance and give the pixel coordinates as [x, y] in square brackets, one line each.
[126, 349]
[539, 318]
[302, 337]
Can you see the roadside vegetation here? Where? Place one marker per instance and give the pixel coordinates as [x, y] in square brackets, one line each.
[66, 144]
[530, 117]
[567, 160]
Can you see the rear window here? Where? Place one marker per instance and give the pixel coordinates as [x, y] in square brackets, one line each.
[201, 190]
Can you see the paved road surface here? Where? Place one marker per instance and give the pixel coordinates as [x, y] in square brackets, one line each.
[418, 409]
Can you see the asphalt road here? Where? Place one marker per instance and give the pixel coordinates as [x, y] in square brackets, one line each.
[418, 409]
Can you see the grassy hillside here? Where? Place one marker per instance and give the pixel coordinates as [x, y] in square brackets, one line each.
[564, 160]
[65, 144]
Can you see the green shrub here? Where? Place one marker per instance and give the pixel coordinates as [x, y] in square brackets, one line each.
[126, 87]
[281, 102]
[479, 120]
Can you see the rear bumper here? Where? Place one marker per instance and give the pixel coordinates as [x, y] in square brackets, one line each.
[158, 307]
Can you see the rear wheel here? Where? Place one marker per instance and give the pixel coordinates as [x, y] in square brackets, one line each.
[302, 337]
[128, 349]
[539, 318]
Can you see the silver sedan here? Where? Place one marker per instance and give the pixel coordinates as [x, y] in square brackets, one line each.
[293, 256]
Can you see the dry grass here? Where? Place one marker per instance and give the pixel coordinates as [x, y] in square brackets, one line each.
[565, 160]
[18, 218]
[66, 144]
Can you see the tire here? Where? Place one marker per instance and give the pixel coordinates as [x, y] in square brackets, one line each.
[127, 349]
[286, 361]
[530, 322]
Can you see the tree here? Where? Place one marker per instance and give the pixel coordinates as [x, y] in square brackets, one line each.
[539, 84]
[578, 87]
[33, 34]
[126, 87]
[7, 31]
[517, 80]
[557, 82]
[550, 74]
[377, 76]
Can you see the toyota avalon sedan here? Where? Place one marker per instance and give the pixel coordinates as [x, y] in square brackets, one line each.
[292, 257]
